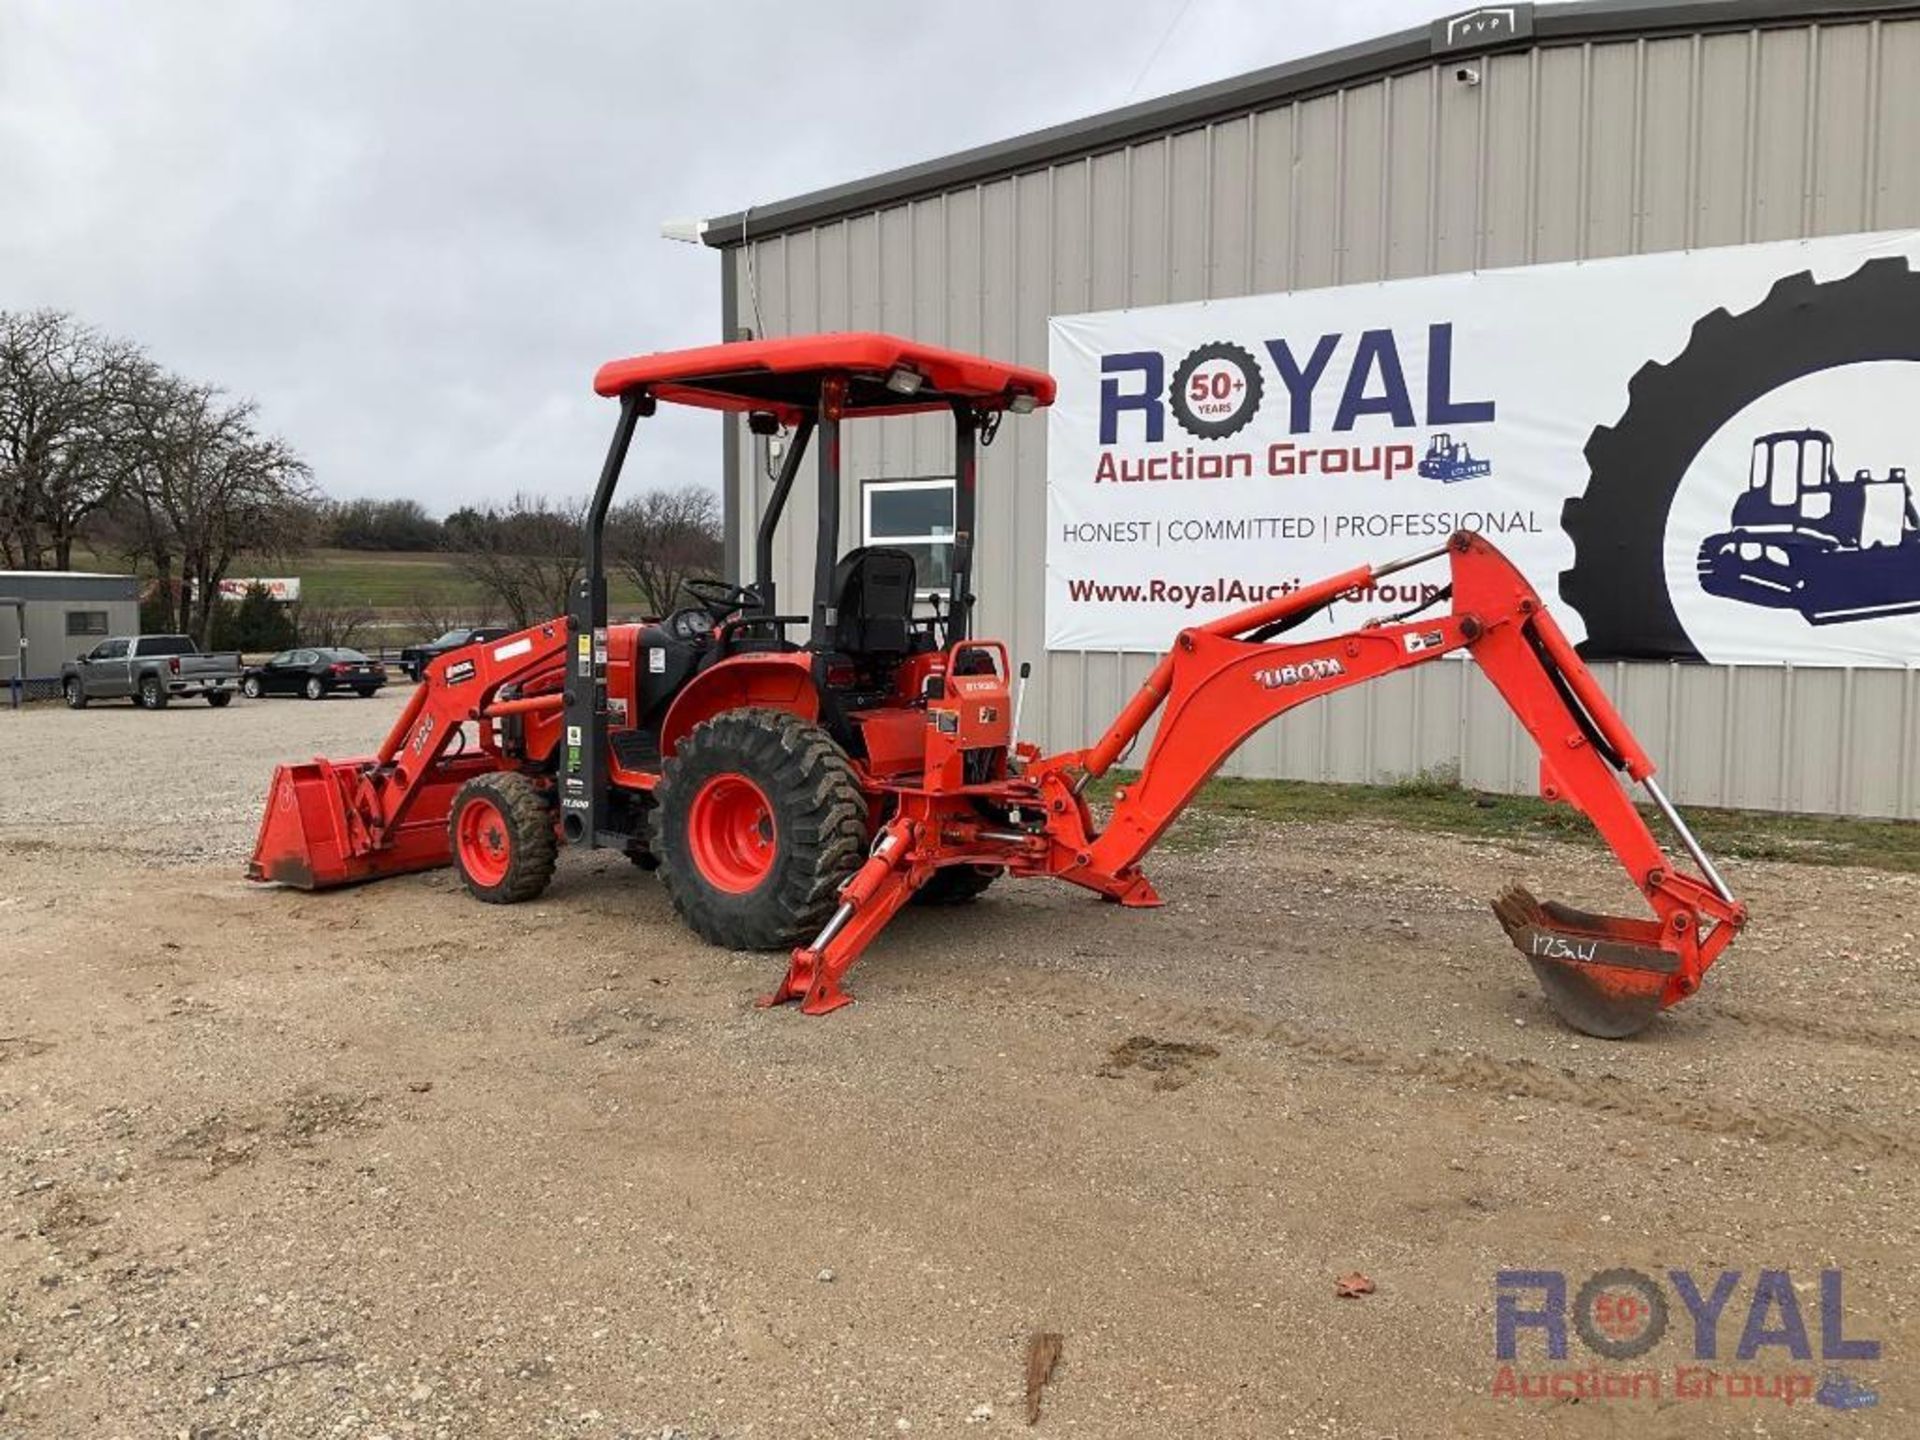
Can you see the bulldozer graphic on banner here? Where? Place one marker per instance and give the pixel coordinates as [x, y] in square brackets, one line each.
[1805, 538]
[1449, 460]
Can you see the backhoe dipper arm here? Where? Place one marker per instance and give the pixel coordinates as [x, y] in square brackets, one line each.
[1218, 687]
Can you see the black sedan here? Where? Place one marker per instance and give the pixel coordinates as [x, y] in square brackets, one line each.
[315, 673]
[414, 658]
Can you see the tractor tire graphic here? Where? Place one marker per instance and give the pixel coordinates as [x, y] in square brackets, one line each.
[1253, 389]
[1618, 527]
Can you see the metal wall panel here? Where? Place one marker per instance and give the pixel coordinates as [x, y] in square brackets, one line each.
[1562, 152]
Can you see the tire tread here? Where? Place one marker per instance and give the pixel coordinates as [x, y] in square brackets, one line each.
[820, 813]
[535, 850]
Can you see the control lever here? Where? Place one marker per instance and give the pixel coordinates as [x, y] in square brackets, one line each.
[1019, 699]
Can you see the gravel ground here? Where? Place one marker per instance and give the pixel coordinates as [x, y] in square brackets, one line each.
[386, 1162]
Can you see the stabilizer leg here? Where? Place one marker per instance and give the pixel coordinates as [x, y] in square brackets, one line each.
[868, 900]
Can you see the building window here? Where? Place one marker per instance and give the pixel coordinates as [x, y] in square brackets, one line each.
[86, 622]
[915, 516]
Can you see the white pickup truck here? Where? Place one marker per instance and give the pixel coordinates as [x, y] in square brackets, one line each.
[150, 670]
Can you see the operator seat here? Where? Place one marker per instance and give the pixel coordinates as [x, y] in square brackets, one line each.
[874, 588]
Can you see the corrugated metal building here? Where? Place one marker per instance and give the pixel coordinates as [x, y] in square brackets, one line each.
[1610, 129]
[48, 617]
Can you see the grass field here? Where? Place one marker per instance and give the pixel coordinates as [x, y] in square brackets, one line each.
[393, 583]
[1439, 804]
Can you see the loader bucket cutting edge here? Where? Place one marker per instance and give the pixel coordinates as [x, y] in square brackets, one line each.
[1603, 975]
[305, 841]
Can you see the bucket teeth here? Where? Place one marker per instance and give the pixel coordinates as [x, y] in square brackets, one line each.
[1603, 975]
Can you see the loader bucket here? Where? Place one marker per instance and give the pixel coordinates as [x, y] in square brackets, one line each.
[1604, 975]
[307, 842]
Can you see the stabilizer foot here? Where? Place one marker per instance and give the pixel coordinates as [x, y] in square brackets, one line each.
[824, 996]
[1138, 892]
[808, 981]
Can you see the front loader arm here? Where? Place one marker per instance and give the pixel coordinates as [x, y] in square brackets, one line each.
[460, 687]
[334, 822]
[1222, 682]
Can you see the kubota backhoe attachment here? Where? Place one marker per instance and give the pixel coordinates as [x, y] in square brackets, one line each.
[1222, 681]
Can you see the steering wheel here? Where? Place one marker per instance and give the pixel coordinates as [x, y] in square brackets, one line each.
[721, 597]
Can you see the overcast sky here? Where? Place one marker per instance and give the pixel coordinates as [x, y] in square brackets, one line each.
[412, 230]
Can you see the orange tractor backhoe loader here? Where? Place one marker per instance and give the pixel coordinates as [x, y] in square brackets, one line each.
[794, 794]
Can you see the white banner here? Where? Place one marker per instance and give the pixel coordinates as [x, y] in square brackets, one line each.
[285, 589]
[1700, 454]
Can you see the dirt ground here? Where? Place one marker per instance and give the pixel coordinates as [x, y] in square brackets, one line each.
[388, 1162]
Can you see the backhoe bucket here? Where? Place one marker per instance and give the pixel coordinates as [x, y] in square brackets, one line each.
[1604, 975]
[307, 840]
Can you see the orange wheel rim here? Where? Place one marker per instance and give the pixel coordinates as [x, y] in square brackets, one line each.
[731, 833]
[486, 852]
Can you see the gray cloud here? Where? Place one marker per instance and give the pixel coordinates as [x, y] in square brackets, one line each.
[412, 230]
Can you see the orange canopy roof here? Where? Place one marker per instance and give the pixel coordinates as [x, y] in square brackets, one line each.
[784, 376]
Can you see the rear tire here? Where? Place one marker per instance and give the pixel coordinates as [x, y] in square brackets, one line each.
[758, 823]
[74, 693]
[219, 699]
[501, 833]
[315, 689]
[364, 692]
[151, 695]
[957, 884]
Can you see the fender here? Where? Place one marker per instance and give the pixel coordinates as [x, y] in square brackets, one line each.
[780, 680]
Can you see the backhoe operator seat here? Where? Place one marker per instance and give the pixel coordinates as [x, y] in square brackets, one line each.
[873, 589]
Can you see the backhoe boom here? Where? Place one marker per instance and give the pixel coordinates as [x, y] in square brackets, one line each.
[1222, 681]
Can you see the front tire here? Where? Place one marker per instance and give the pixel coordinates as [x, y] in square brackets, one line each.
[219, 699]
[250, 687]
[315, 690]
[152, 695]
[74, 693]
[501, 832]
[758, 823]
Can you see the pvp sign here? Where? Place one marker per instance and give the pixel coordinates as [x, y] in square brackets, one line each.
[1696, 455]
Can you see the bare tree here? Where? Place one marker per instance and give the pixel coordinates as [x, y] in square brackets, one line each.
[208, 488]
[64, 457]
[368, 524]
[664, 537]
[527, 556]
[431, 613]
[329, 625]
